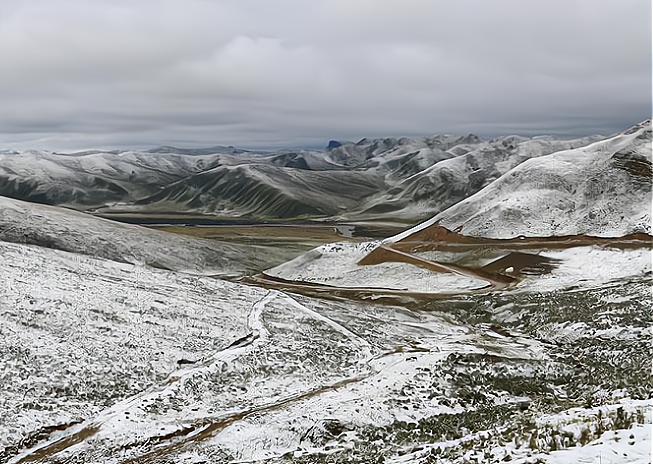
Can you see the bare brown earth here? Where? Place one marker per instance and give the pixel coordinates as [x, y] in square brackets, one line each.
[437, 237]
[387, 296]
[274, 244]
[516, 257]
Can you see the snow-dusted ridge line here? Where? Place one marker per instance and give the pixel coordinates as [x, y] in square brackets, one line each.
[405, 179]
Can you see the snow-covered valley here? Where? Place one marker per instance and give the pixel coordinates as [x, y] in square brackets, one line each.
[527, 342]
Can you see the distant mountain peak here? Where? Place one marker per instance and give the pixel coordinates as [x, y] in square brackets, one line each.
[333, 144]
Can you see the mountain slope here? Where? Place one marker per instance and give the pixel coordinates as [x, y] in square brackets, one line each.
[263, 192]
[466, 350]
[115, 363]
[602, 188]
[449, 180]
[63, 229]
[93, 179]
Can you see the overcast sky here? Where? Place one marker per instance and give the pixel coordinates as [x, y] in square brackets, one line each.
[78, 74]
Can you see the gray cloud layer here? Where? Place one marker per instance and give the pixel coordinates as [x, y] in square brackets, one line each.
[92, 73]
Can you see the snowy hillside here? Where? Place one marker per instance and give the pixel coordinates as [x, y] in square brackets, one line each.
[601, 189]
[68, 230]
[425, 182]
[263, 191]
[95, 178]
[512, 326]
[114, 363]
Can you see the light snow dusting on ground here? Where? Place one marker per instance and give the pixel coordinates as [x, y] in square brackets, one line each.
[124, 345]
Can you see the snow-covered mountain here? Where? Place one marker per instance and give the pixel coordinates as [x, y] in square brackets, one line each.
[93, 179]
[264, 191]
[601, 189]
[432, 185]
[598, 190]
[400, 179]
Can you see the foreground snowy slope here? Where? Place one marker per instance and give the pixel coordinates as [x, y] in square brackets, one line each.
[114, 363]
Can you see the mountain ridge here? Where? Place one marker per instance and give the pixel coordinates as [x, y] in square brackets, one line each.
[405, 179]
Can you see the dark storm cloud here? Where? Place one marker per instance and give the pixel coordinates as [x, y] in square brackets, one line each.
[91, 73]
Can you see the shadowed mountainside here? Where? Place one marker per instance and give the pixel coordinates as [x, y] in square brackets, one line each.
[264, 191]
